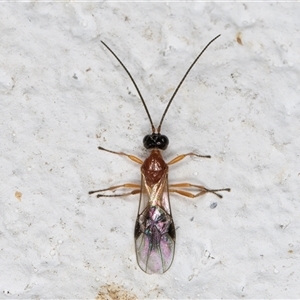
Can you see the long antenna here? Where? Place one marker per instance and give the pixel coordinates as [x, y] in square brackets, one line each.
[175, 92]
[143, 101]
[182, 80]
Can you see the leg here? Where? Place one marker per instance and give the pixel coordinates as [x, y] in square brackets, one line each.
[182, 156]
[132, 157]
[202, 190]
[137, 190]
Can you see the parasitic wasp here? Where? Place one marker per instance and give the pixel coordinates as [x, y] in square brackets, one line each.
[154, 231]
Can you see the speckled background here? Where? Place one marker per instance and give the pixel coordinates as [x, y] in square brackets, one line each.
[63, 94]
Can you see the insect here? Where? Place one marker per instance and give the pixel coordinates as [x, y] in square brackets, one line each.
[154, 231]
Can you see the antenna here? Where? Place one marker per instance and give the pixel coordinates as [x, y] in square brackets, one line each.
[143, 101]
[182, 80]
[175, 92]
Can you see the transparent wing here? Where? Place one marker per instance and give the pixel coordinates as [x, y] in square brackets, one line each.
[154, 229]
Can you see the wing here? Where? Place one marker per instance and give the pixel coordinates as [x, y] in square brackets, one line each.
[154, 228]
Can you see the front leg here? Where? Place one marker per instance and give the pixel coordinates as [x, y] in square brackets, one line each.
[132, 157]
[182, 156]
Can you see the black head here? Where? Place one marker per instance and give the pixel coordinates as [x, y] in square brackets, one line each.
[156, 140]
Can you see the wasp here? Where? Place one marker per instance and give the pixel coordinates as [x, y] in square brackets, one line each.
[154, 231]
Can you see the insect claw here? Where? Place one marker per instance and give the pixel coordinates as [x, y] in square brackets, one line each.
[102, 195]
[220, 196]
[92, 192]
[97, 191]
[204, 156]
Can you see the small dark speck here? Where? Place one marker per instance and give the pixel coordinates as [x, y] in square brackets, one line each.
[192, 219]
[75, 76]
[239, 38]
[213, 205]
[87, 70]
[113, 229]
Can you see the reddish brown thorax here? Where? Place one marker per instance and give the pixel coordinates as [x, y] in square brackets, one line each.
[154, 167]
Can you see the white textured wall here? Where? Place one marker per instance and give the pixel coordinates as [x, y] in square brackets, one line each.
[63, 94]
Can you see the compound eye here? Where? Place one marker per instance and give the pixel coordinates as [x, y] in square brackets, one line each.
[156, 140]
[163, 142]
